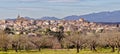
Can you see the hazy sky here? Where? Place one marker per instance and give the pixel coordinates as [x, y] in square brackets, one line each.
[57, 8]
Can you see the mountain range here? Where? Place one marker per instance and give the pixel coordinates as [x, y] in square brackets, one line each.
[98, 17]
[105, 16]
[49, 18]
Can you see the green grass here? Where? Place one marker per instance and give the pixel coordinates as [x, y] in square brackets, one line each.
[60, 51]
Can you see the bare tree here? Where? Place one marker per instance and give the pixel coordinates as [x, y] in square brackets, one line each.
[116, 39]
[4, 40]
[92, 40]
[38, 41]
[77, 39]
[15, 42]
[102, 40]
[108, 38]
[24, 43]
[20, 42]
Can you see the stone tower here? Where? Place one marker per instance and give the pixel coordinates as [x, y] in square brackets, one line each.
[18, 17]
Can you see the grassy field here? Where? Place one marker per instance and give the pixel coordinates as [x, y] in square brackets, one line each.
[60, 51]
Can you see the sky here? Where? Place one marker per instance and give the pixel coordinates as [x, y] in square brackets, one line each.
[57, 8]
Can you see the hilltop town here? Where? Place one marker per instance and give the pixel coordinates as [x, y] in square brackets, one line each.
[25, 26]
[30, 34]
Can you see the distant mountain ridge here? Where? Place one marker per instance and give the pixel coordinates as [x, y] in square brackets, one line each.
[49, 18]
[98, 17]
[103, 16]
[106, 16]
[72, 17]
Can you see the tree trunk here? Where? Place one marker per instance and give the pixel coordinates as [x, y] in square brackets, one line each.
[61, 45]
[91, 48]
[68, 49]
[26, 48]
[80, 47]
[77, 48]
[16, 50]
[19, 48]
[94, 48]
[14, 46]
[113, 48]
[39, 48]
[118, 49]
